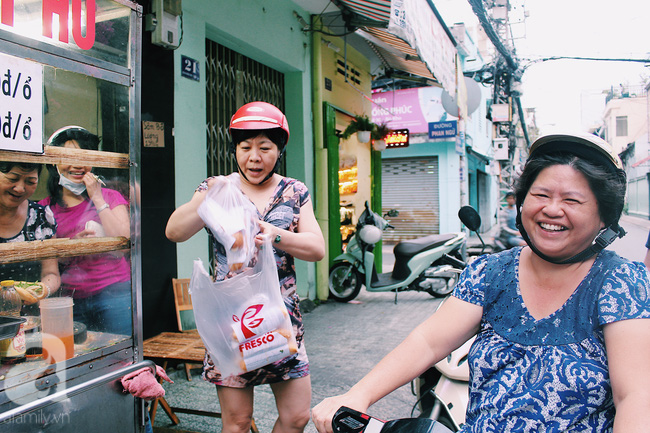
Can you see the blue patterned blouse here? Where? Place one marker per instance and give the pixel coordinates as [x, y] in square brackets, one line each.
[547, 375]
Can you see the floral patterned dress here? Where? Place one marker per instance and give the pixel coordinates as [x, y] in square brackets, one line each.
[283, 211]
[39, 225]
[546, 375]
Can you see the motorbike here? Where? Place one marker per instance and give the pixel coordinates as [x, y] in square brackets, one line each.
[430, 263]
[348, 420]
[443, 390]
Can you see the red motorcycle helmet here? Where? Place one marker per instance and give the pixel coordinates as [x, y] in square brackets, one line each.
[259, 115]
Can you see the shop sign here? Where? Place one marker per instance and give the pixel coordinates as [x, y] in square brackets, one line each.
[63, 16]
[415, 22]
[399, 138]
[21, 107]
[410, 109]
[443, 129]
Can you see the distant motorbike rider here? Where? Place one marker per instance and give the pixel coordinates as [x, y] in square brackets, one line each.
[508, 222]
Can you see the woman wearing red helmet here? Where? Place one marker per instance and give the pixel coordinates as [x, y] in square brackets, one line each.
[259, 135]
[562, 326]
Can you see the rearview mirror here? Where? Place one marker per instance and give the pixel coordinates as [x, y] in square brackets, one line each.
[470, 218]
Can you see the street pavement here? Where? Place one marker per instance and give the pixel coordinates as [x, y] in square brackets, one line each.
[344, 341]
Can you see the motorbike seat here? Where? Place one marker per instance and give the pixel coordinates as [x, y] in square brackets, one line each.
[416, 246]
[406, 249]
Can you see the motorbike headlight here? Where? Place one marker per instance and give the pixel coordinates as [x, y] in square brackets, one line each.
[370, 234]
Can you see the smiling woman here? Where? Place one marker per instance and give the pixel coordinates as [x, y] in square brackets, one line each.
[560, 324]
[100, 284]
[24, 220]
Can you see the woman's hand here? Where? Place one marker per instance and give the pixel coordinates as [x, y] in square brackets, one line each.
[85, 233]
[323, 413]
[266, 230]
[185, 222]
[93, 185]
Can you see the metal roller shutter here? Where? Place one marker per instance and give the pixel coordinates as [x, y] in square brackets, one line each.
[411, 186]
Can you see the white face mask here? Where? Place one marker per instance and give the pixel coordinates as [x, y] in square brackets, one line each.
[73, 187]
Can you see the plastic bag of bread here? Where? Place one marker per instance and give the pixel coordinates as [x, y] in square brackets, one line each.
[232, 219]
[243, 321]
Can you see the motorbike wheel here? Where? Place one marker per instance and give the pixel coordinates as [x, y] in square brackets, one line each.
[344, 282]
[443, 290]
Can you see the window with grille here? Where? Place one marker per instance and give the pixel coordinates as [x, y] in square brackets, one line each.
[233, 80]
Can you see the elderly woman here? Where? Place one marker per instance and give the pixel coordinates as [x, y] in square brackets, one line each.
[24, 220]
[562, 330]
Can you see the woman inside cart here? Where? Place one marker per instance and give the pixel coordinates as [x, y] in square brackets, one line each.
[24, 220]
[101, 283]
[259, 135]
[562, 326]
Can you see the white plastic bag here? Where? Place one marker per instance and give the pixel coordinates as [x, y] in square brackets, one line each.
[231, 218]
[243, 320]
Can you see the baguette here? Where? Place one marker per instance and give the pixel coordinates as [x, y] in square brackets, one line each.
[30, 293]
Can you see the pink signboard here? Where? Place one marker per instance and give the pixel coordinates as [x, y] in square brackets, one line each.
[411, 109]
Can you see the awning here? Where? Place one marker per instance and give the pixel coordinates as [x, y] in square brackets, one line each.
[409, 36]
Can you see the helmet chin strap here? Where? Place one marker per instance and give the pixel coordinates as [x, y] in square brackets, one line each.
[606, 236]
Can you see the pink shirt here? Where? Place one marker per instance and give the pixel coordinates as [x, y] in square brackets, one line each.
[86, 275]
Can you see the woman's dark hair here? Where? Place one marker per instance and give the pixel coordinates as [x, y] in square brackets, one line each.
[6, 166]
[84, 138]
[607, 185]
[276, 135]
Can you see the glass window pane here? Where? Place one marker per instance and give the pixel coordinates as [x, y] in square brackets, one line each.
[102, 34]
[69, 195]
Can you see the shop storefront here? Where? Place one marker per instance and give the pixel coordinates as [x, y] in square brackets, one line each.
[72, 68]
[421, 180]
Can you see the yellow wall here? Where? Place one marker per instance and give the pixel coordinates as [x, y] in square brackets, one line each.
[349, 98]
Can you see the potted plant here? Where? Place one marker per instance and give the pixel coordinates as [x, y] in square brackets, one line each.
[379, 134]
[362, 125]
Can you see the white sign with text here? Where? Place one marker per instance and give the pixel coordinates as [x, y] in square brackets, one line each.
[21, 105]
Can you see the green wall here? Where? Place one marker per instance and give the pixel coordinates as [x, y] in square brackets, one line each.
[269, 35]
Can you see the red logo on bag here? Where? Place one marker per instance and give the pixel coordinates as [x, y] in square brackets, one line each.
[247, 320]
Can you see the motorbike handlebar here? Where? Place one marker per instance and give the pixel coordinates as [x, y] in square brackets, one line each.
[348, 420]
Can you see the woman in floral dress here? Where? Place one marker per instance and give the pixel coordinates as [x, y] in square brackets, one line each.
[286, 215]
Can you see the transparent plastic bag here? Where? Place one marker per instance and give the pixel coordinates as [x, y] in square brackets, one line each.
[243, 320]
[232, 219]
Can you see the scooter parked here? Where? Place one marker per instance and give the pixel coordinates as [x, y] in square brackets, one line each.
[431, 263]
[348, 420]
[443, 390]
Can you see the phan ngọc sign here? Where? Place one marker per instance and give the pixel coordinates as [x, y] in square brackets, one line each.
[443, 129]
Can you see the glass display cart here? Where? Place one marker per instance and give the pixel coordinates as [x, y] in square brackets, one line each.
[75, 64]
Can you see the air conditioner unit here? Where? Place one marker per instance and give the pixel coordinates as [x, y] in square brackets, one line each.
[500, 147]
